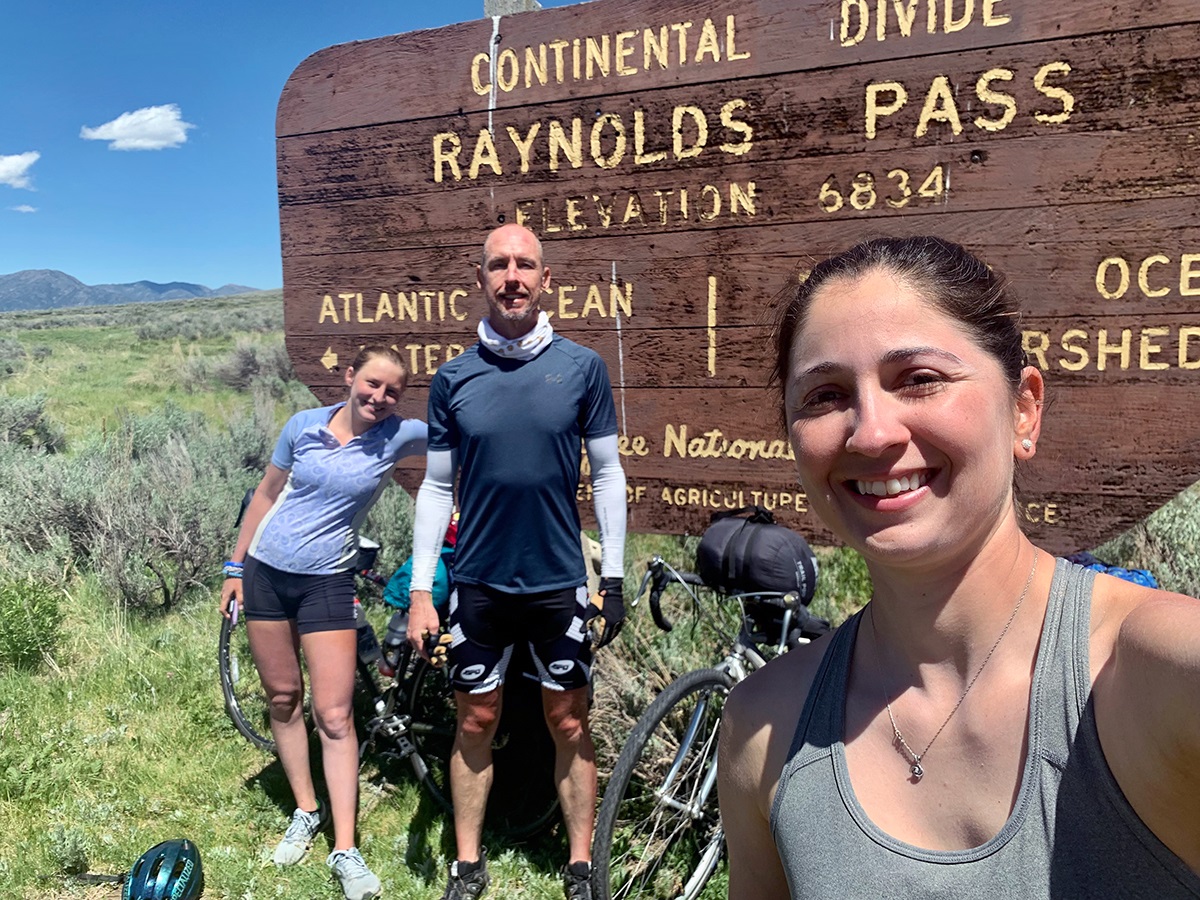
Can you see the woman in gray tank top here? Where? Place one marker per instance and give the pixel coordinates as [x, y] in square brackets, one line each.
[995, 723]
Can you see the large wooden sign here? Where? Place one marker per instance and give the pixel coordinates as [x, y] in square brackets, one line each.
[680, 160]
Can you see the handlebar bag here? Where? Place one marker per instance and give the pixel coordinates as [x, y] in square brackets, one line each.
[744, 551]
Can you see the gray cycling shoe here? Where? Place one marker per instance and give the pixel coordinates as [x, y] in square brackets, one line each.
[299, 835]
[467, 880]
[357, 881]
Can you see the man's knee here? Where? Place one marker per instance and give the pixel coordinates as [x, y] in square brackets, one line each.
[478, 715]
[567, 713]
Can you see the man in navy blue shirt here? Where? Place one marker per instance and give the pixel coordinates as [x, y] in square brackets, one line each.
[507, 420]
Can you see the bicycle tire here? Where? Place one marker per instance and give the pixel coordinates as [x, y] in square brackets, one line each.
[517, 809]
[654, 839]
[245, 699]
[434, 720]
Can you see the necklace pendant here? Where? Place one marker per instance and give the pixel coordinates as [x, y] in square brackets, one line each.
[917, 771]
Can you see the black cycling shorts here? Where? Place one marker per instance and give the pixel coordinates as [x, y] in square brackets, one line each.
[315, 602]
[485, 624]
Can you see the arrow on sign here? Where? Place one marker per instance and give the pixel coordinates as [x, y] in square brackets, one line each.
[330, 359]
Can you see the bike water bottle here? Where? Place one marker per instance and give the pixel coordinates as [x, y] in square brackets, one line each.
[368, 644]
[393, 643]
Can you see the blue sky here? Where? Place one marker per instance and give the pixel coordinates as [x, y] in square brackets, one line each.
[196, 83]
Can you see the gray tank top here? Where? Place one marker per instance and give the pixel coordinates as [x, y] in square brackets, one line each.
[1072, 834]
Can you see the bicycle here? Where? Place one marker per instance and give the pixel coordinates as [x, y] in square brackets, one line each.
[411, 716]
[658, 829]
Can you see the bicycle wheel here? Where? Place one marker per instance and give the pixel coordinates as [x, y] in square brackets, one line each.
[658, 831]
[245, 699]
[434, 719]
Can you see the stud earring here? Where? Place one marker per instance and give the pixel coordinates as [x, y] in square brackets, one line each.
[1026, 445]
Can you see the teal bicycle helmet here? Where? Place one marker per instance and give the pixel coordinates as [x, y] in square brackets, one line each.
[167, 871]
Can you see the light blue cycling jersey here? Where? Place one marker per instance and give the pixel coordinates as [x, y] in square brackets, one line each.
[312, 529]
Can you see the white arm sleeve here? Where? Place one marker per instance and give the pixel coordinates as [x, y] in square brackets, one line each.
[435, 505]
[608, 495]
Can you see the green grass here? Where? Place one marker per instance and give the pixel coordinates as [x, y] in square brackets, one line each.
[118, 738]
[95, 363]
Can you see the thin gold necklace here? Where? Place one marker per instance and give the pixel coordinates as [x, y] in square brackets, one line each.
[912, 758]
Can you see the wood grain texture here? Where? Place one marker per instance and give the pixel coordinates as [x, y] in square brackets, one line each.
[672, 268]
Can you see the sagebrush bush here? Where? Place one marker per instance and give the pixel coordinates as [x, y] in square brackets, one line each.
[23, 421]
[12, 356]
[29, 622]
[251, 361]
[1167, 543]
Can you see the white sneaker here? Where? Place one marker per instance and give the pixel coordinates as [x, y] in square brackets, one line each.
[299, 835]
[358, 882]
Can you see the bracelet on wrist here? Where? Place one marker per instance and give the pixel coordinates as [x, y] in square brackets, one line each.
[232, 569]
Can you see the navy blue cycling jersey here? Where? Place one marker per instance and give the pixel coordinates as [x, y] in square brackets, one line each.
[517, 427]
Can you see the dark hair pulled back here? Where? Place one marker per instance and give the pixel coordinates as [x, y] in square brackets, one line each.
[955, 281]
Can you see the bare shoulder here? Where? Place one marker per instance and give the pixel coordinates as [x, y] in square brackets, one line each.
[757, 726]
[1129, 618]
[762, 712]
[1146, 691]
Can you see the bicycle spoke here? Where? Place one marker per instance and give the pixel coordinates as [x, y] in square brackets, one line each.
[659, 819]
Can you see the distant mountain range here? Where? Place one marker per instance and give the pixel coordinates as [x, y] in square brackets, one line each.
[51, 289]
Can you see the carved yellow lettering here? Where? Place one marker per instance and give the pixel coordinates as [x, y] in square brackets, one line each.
[681, 149]
[731, 52]
[708, 45]
[524, 145]
[485, 155]
[571, 148]
[613, 159]
[1144, 275]
[535, 66]
[681, 30]
[742, 200]
[481, 62]
[1104, 349]
[594, 302]
[952, 24]
[1186, 334]
[990, 19]
[597, 56]
[864, 17]
[573, 214]
[1035, 343]
[1189, 275]
[877, 106]
[1081, 354]
[328, 311]
[566, 300]
[640, 156]
[458, 316]
[1063, 96]
[624, 51]
[384, 307]
[741, 127]
[714, 209]
[508, 69]
[939, 107]
[985, 93]
[1102, 277]
[654, 47]
[621, 299]
[675, 440]
[446, 147]
[406, 306]
[633, 209]
[1147, 348]
[557, 47]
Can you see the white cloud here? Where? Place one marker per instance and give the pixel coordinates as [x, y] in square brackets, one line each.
[24, 208]
[14, 170]
[150, 128]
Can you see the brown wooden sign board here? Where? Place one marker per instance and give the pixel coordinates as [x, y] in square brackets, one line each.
[679, 161]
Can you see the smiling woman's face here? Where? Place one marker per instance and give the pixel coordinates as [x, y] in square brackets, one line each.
[903, 427]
